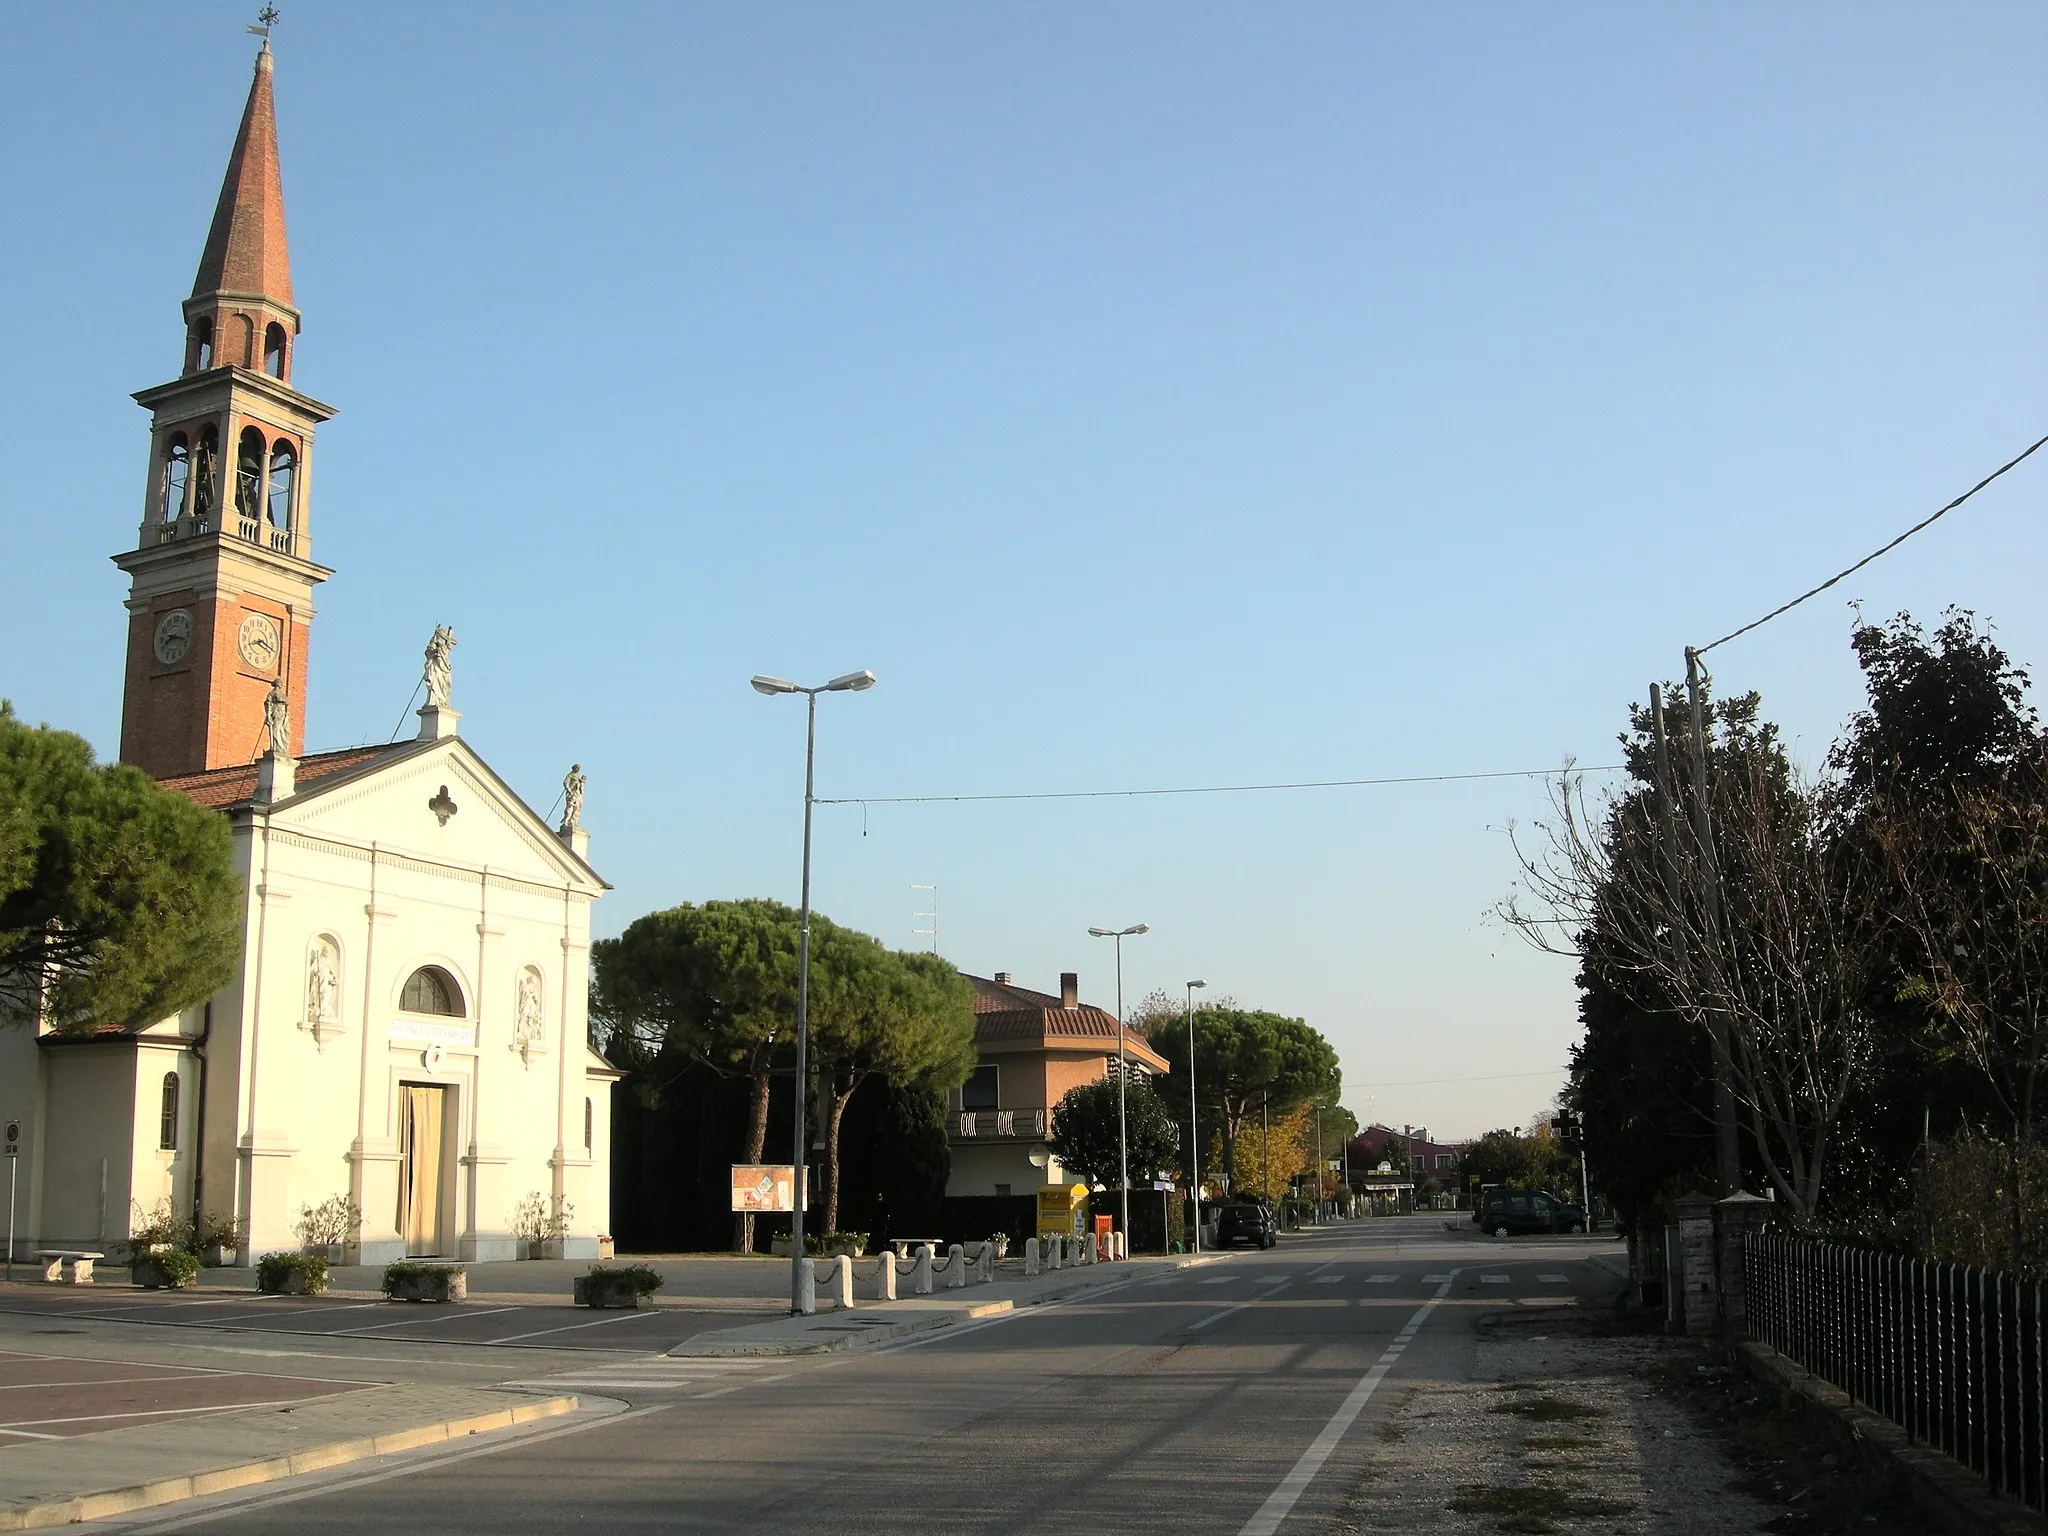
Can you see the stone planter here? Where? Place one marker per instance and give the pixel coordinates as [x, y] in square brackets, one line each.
[153, 1274]
[215, 1255]
[605, 1291]
[437, 1284]
[780, 1247]
[604, 1248]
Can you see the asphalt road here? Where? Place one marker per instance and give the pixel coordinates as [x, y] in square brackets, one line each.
[1230, 1398]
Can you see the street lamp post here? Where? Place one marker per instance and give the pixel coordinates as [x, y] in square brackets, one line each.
[1194, 1121]
[800, 1297]
[1123, 1140]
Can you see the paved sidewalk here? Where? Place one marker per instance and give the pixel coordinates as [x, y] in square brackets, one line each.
[876, 1322]
[61, 1482]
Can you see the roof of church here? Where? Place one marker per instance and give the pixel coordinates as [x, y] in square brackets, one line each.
[224, 789]
[1007, 1013]
[245, 249]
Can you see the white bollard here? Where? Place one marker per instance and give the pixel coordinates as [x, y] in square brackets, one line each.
[1055, 1247]
[883, 1287]
[1123, 1247]
[985, 1264]
[1084, 1244]
[842, 1281]
[1031, 1259]
[807, 1287]
[956, 1267]
[921, 1272]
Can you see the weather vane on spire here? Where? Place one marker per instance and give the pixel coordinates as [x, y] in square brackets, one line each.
[265, 20]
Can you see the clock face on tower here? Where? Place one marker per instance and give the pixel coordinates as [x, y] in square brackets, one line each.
[257, 641]
[173, 637]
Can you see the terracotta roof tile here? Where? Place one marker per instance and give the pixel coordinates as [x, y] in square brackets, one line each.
[1005, 1013]
[223, 789]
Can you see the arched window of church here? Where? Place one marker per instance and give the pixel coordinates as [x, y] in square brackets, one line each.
[283, 464]
[167, 1117]
[248, 347]
[199, 348]
[249, 474]
[431, 990]
[273, 350]
[177, 476]
[589, 1124]
[206, 475]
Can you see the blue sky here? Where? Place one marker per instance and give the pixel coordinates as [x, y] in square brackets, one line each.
[1151, 395]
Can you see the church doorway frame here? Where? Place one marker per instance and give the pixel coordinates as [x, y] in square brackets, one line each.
[426, 1188]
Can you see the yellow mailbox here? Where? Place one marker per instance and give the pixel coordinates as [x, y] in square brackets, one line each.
[1062, 1210]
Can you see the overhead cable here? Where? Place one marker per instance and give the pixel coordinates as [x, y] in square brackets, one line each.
[1219, 789]
[1874, 554]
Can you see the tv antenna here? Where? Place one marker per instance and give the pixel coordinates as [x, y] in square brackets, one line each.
[932, 932]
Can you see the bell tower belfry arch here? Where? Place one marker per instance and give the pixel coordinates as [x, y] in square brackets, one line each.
[221, 576]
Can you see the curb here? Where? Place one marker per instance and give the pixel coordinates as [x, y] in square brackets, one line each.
[172, 1490]
[1953, 1497]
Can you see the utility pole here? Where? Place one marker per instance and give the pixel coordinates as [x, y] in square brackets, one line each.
[1727, 1164]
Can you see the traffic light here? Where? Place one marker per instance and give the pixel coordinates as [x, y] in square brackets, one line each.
[1568, 1128]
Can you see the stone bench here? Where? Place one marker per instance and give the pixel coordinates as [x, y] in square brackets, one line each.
[55, 1259]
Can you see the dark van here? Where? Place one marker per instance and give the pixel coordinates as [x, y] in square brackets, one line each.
[1508, 1212]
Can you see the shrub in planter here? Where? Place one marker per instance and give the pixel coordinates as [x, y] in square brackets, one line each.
[171, 1270]
[408, 1280]
[291, 1274]
[217, 1238]
[629, 1286]
[157, 1229]
[1001, 1243]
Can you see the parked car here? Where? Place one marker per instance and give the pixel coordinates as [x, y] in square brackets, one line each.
[1246, 1222]
[1506, 1212]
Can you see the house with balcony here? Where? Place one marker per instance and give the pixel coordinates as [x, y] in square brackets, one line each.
[1030, 1048]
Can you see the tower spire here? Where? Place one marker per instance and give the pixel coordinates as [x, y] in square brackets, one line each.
[245, 249]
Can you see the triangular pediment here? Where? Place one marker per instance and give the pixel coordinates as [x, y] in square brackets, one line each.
[443, 803]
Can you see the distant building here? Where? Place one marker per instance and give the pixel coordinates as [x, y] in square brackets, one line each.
[1030, 1048]
[1424, 1159]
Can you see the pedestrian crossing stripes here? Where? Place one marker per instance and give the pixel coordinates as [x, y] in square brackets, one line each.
[1493, 1279]
[649, 1373]
[1553, 1280]
[1381, 1279]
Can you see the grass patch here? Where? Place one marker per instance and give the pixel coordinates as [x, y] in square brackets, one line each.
[1550, 1410]
[1562, 1443]
[1535, 1509]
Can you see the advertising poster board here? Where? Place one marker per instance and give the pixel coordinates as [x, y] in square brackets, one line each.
[763, 1188]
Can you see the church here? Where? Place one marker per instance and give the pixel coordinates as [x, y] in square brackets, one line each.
[406, 1038]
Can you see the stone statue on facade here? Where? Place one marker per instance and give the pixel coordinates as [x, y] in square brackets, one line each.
[277, 720]
[323, 984]
[440, 671]
[572, 797]
[527, 1028]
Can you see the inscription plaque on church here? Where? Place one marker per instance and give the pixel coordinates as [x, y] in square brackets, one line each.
[431, 1032]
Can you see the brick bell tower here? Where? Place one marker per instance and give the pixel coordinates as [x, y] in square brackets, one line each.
[221, 581]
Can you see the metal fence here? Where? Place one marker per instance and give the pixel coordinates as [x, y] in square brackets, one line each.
[1951, 1354]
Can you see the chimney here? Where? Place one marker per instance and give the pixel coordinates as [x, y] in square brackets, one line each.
[1070, 989]
[1002, 978]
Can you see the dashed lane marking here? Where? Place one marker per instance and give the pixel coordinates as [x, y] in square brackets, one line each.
[653, 1373]
[1328, 1279]
[1434, 1279]
[1390, 1279]
[1493, 1279]
[1554, 1279]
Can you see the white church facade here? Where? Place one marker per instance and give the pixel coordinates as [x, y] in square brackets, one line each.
[406, 1034]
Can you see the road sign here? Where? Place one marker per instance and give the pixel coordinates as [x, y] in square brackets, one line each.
[14, 1138]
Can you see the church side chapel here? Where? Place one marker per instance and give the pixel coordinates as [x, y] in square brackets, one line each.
[405, 1043]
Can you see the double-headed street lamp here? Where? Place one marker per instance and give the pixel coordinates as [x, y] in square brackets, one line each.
[1123, 1140]
[1194, 1120]
[800, 1300]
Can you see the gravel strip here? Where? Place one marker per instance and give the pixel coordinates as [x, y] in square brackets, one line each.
[1557, 1431]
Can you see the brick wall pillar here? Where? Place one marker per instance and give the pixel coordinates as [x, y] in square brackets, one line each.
[1734, 1219]
[1695, 1278]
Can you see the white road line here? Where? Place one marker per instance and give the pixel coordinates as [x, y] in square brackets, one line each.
[29, 1435]
[1390, 1279]
[1553, 1279]
[758, 1381]
[1281, 1501]
[1219, 1280]
[1493, 1279]
[413, 1322]
[1275, 1279]
[157, 1413]
[1328, 1279]
[1436, 1279]
[1217, 1317]
[190, 1522]
[622, 1317]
